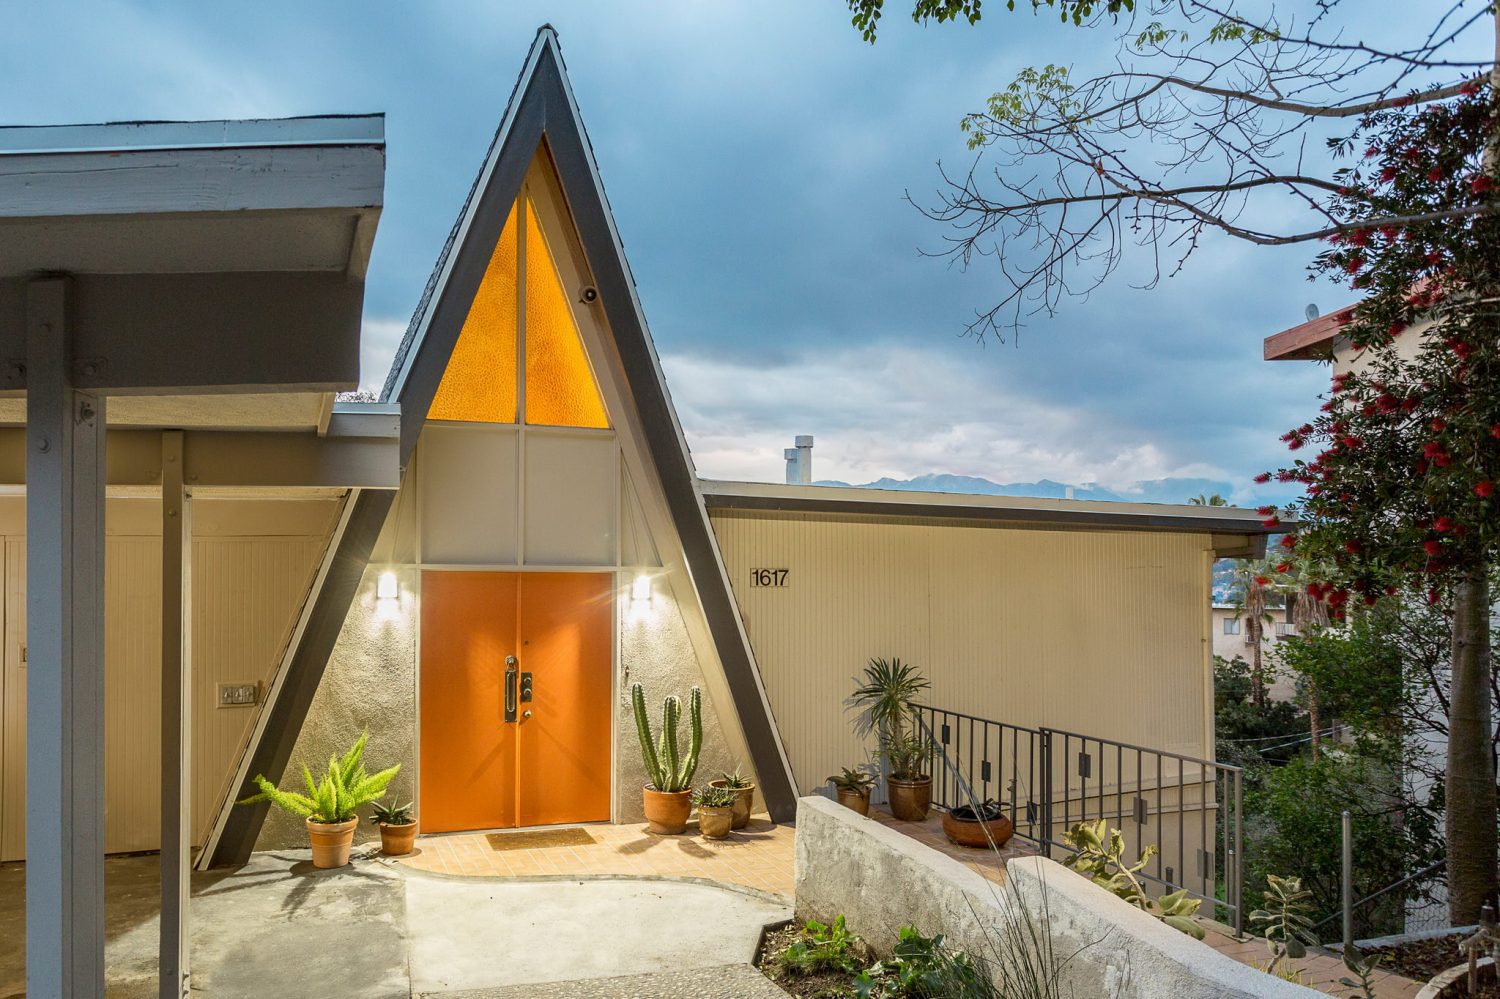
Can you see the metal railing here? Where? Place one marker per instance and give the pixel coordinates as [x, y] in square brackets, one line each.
[1389, 911]
[1049, 779]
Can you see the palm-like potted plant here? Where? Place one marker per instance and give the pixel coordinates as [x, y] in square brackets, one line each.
[330, 803]
[668, 797]
[886, 700]
[744, 794]
[715, 811]
[853, 787]
[398, 827]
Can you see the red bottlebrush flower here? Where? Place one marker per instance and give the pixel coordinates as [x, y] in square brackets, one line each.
[1262, 581]
[1265, 511]
[1435, 174]
[1295, 444]
[1432, 596]
[1432, 547]
[1439, 424]
[1395, 329]
[1461, 349]
[1481, 184]
[1422, 466]
[1283, 567]
[1390, 232]
[1372, 151]
[1265, 477]
[1468, 90]
[1353, 547]
[1359, 237]
[1340, 381]
[1387, 175]
[1495, 430]
[1315, 590]
[1390, 591]
[1351, 442]
[1270, 522]
[1370, 599]
[1337, 614]
[1338, 598]
[1441, 460]
[1484, 489]
[1442, 524]
[1289, 541]
[1432, 449]
[1354, 264]
[1434, 258]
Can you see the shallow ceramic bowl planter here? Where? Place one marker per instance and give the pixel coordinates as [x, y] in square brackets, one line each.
[331, 842]
[910, 799]
[397, 840]
[858, 801]
[715, 823]
[743, 797]
[962, 826]
[667, 811]
[1454, 982]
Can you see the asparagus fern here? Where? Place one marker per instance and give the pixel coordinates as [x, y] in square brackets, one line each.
[344, 787]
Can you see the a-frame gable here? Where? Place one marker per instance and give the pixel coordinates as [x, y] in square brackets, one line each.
[542, 115]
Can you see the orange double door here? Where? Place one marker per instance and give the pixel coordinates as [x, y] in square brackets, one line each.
[515, 699]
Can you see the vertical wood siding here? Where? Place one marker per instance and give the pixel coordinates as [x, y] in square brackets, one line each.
[1100, 633]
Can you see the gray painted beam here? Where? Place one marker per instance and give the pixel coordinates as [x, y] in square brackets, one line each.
[176, 720]
[65, 652]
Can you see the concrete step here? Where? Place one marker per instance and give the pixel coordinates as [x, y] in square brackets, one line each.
[733, 981]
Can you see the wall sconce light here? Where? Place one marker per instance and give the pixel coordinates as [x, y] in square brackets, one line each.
[640, 589]
[385, 587]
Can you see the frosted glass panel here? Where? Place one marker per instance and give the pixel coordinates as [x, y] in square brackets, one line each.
[560, 387]
[479, 384]
[571, 499]
[468, 508]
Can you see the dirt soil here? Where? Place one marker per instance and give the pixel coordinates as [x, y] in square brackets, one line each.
[1422, 959]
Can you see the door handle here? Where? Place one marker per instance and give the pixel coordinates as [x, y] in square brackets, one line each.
[510, 688]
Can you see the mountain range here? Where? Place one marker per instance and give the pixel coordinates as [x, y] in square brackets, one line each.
[1169, 490]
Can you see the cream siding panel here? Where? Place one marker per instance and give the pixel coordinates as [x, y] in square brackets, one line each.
[132, 694]
[13, 707]
[1095, 632]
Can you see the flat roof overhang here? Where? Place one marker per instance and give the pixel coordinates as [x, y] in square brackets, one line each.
[203, 257]
[1309, 341]
[1235, 532]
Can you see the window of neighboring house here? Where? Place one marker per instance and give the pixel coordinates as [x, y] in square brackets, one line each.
[1285, 629]
[1231, 626]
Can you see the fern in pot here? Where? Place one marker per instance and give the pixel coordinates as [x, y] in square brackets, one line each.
[330, 803]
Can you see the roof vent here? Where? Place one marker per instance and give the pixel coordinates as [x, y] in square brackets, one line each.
[799, 461]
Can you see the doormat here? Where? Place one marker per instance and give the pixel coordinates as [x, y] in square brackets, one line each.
[540, 839]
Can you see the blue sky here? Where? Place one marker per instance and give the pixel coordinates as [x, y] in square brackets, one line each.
[756, 154]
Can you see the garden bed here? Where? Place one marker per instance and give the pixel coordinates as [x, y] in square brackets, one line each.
[1422, 959]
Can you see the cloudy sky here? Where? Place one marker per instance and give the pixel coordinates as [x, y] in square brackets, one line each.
[756, 153]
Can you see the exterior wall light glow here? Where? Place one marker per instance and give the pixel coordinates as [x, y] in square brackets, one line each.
[385, 587]
[640, 590]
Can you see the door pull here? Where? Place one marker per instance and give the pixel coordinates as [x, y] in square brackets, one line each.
[510, 688]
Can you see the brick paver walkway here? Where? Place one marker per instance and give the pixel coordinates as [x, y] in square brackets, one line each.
[759, 856]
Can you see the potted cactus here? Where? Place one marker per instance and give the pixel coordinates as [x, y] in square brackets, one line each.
[667, 798]
[744, 794]
[330, 803]
[715, 810]
[398, 829]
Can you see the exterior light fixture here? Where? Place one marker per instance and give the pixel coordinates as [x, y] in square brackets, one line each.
[385, 587]
[640, 590]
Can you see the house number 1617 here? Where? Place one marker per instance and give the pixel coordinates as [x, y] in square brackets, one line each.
[768, 577]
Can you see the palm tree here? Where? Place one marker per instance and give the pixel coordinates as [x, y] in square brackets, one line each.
[1214, 500]
[1309, 616]
[1251, 587]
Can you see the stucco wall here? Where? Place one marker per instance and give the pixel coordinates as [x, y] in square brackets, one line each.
[880, 879]
[370, 682]
[655, 652]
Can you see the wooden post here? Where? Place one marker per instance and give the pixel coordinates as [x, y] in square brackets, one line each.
[176, 719]
[65, 660]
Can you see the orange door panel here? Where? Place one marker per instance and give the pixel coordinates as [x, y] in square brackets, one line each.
[564, 755]
[468, 752]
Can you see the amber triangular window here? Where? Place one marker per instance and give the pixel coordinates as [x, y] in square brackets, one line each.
[484, 382]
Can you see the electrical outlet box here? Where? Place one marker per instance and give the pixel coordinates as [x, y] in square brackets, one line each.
[238, 695]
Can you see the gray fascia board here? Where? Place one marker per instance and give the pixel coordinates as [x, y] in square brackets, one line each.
[109, 138]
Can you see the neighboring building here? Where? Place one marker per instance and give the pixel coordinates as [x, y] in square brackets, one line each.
[550, 544]
[1231, 636]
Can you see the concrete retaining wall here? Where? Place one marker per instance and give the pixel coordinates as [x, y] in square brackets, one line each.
[881, 879]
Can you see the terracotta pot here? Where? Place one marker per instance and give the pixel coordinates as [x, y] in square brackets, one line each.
[743, 797]
[857, 800]
[667, 811]
[715, 823]
[331, 842]
[972, 832]
[910, 799]
[397, 841]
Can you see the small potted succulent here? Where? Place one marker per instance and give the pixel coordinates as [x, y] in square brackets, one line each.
[667, 799]
[398, 828]
[744, 794]
[981, 825]
[715, 811]
[329, 805]
[853, 787]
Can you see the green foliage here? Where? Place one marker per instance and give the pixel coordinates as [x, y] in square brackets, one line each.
[1033, 93]
[820, 948]
[668, 767]
[909, 757]
[853, 780]
[921, 967]
[1250, 734]
[334, 798]
[867, 12]
[1362, 967]
[1294, 824]
[709, 796]
[391, 815]
[1099, 855]
[1285, 920]
[886, 698]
